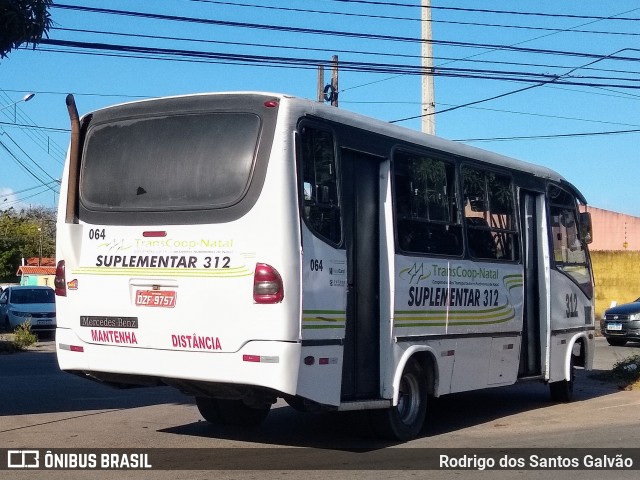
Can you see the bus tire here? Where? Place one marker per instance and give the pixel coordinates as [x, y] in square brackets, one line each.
[562, 391]
[231, 412]
[301, 405]
[208, 408]
[404, 420]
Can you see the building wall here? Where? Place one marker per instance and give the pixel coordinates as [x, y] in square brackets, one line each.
[615, 253]
[617, 278]
[46, 280]
[614, 231]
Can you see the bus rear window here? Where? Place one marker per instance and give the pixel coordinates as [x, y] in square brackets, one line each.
[170, 162]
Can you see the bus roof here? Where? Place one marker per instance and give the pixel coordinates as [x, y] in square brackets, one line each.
[430, 141]
[308, 107]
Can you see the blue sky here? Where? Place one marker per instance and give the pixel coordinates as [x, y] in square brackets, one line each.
[566, 127]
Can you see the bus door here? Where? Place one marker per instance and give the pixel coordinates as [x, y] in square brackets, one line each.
[361, 204]
[533, 326]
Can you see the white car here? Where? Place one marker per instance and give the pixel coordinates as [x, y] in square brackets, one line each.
[36, 304]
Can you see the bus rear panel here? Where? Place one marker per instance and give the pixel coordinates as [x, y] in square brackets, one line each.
[174, 268]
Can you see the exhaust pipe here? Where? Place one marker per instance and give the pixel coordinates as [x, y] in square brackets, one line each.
[74, 160]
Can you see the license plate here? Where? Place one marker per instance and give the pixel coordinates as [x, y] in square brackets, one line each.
[614, 327]
[156, 298]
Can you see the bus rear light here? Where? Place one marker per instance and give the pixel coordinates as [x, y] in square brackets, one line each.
[261, 358]
[267, 284]
[154, 234]
[271, 103]
[60, 282]
[71, 348]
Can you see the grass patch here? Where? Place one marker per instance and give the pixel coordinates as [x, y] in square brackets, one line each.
[21, 339]
[627, 372]
[7, 345]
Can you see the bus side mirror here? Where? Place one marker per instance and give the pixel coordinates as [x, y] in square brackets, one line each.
[586, 233]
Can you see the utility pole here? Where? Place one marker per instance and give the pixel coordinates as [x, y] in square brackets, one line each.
[428, 92]
[329, 92]
[334, 81]
[320, 84]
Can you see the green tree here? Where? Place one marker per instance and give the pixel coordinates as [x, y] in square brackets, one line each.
[24, 234]
[23, 21]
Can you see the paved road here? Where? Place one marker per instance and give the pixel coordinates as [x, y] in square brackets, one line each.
[41, 407]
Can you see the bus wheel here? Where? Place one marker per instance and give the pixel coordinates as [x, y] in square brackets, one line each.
[563, 391]
[208, 408]
[230, 412]
[405, 420]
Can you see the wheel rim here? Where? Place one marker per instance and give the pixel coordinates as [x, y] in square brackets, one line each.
[409, 399]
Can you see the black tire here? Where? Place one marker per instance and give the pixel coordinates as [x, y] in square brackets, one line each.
[230, 412]
[301, 405]
[405, 420]
[6, 325]
[208, 408]
[563, 391]
[616, 342]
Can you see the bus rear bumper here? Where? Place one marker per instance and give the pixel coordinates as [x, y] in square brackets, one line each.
[268, 364]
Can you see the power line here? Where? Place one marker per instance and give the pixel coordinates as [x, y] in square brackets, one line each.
[314, 31]
[541, 84]
[544, 137]
[409, 19]
[40, 139]
[17, 192]
[21, 163]
[26, 155]
[557, 117]
[483, 10]
[86, 94]
[142, 52]
[312, 49]
[564, 75]
[5, 203]
[476, 102]
[616, 16]
[38, 127]
[308, 63]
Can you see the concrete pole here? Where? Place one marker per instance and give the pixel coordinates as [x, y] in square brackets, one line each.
[334, 81]
[320, 84]
[428, 92]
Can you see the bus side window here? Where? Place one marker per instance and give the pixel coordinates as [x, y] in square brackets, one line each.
[490, 215]
[320, 205]
[426, 210]
[569, 247]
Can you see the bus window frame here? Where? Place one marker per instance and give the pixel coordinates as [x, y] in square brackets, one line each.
[516, 230]
[434, 155]
[587, 289]
[196, 104]
[299, 148]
